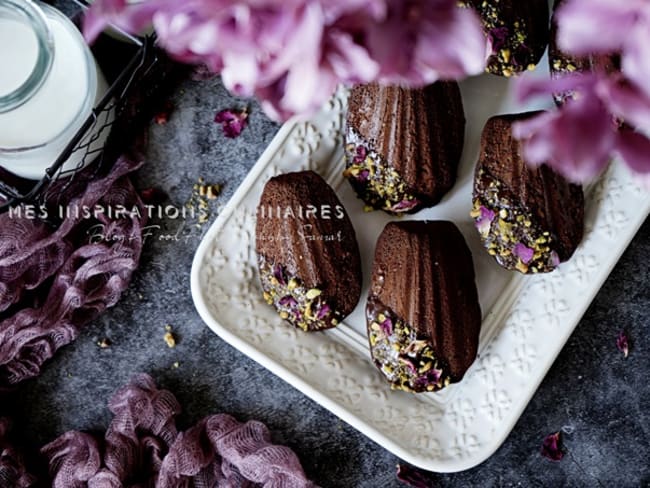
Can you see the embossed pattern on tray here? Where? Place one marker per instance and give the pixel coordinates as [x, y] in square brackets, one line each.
[526, 320]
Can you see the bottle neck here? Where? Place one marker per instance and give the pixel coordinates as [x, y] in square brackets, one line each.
[29, 19]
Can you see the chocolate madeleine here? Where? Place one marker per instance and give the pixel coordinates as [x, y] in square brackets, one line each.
[561, 63]
[307, 250]
[530, 219]
[518, 31]
[403, 145]
[423, 313]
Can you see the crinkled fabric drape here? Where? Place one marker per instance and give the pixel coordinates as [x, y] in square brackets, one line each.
[142, 448]
[53, 281]
[12, 470]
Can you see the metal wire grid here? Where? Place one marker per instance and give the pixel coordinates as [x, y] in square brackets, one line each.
[102, 118]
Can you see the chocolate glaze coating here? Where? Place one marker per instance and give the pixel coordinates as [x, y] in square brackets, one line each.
[517, 205]
[423, 273]
[418, 133]
[318, 248]
[518, 29]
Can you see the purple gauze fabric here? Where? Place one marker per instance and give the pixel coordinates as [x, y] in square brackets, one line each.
[12, 469]
[142, 448]
[53, 281]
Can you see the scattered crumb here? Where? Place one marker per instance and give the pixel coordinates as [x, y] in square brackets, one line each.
[176, 365]
[168, 328]
[104, 343]
[198, 202]
[140, 296]
[170, 339]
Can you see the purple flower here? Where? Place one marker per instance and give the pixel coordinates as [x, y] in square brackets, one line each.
[552, 447]
[233, 122]
[523, 252]
[580, 138]
[292, 54]
[576, 140]
[622, 343]
[609, 26]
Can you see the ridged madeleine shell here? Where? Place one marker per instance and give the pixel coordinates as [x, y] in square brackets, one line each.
[320, 247]
[548, 199]
[418, 132]
[423, 272]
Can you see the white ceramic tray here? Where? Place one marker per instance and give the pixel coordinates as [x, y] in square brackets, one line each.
[526, 320]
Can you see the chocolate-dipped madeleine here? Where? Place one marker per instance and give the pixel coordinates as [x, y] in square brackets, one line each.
[561, 63]
[307, 250]
[403, 146]
[529, 219]
[423, 313]
[518, 31]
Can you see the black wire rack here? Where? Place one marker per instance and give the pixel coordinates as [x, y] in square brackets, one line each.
[135, 70]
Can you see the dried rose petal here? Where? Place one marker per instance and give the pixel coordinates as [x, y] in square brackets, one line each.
[498, 37]
[523, 252]
[387, 326]
[162, 117]
[434, 375]
[409, 364]
[552, 447]
[413, 476]
[288, 301]
[233, 122]
[323, 311]
[405, 205]
[484, 219]
[555, 259]
[278, 274]
[622, 343]
[153, 196]
[362, 152]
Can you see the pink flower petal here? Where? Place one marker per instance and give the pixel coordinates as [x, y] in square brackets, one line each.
[634, 149]
[577, 140]
[594, 26]
[523, 252]
[293, 54]
[528, 87]
[233, 122]
[626, 102]
[552, 447]
[622, 343]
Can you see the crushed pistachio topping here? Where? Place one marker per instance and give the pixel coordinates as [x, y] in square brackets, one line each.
[304, 307]
[405, 359]
[376, 182]
[202, 193]
[170, 339]
[510, 52]
[510, 234]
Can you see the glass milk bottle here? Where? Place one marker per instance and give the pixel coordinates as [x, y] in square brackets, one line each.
[49, 84]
